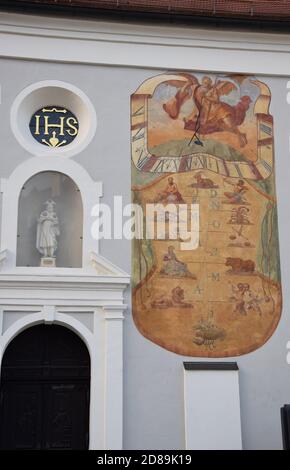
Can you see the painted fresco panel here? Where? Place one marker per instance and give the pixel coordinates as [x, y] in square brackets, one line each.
[207, 139]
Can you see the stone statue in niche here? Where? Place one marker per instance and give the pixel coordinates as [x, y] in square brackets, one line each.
[47, 233]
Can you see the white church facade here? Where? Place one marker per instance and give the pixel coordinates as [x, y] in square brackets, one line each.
[123, 372]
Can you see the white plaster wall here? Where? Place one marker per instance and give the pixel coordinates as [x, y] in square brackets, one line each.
[212, 410]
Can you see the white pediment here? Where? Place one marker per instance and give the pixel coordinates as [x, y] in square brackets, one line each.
[104, 267]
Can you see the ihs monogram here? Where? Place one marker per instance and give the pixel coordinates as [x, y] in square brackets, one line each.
[54, 126]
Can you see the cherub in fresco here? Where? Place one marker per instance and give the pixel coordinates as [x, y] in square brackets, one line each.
[245, 300]
[170, 194]
[237, 195]
[209, 113]
[172, 267]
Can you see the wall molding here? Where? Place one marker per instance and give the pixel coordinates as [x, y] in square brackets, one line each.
[127, 44]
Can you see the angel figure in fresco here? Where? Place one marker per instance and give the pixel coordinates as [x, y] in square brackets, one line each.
[170, 194]
[173, 267]
[210, 114]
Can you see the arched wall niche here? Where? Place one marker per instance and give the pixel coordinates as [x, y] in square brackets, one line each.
[63, 191]
[11, 188]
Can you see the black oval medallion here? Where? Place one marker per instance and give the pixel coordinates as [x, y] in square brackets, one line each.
[54, 126]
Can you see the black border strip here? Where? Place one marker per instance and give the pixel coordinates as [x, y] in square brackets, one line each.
[258, 24]
[210, 366]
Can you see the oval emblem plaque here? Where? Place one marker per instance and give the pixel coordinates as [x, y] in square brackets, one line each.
[54, 126]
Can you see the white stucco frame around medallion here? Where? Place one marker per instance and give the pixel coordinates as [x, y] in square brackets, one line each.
[45, 92]
[88, 300]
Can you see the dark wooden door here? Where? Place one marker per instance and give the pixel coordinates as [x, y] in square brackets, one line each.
[45, 382]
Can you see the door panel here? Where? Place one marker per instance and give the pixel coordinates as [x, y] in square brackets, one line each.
[21, 416]
[45, 391]
[67, 414]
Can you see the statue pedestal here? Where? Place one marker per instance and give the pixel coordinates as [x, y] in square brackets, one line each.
[47, 262]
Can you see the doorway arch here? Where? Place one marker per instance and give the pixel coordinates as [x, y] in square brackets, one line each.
[45, 387]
